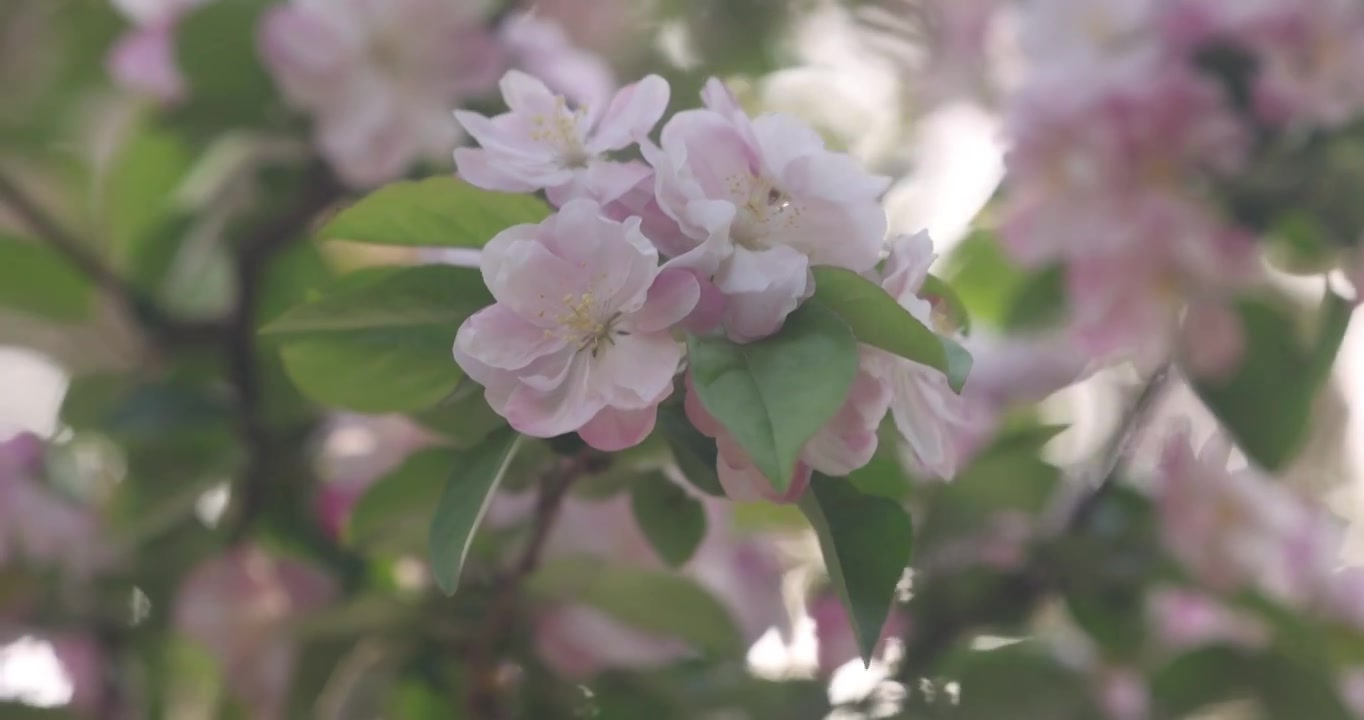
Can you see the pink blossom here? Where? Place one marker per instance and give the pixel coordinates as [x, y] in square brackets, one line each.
[543, 143]
[1183, 619]
[379, 78]
[836, 642]
[143, 60]
[83, 664]
[578, 641]
[930, 416]
[540, 47]
[759, 201]
[844, 444]
[357, 451]
[37, 525]
[1238, 529]
[1122, 694]
[580, 338]
[238, 606]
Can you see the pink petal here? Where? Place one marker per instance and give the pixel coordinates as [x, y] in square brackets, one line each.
[144, 61]
[562, 409]
[499, 338]
[633, 112]
[761, 289]
[523, 274]
[637, 371]
[526, 94]
[671, 298]
[480, 169]
[613, 430]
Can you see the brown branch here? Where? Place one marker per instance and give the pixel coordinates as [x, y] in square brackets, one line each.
[485, 690]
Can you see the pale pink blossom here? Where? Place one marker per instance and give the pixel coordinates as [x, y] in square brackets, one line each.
[844, 444]
[580, 338]
[1122, 694]
[143, 60]
[545, 143]
[1238, 529]
[1184, 619]
[358, 450]
[380, 78]
[742, 572]
[540, 47]
[38, 526]
[760, 201]
[836, 641]
[83, 665]
[239, 606]
[930, 416]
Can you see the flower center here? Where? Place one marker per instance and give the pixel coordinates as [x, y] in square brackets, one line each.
[561, 130]
[582, 322]
[763, 211]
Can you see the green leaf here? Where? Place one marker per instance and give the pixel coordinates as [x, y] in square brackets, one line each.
[694, 453]
[1022, 681]
[775, 394]
[384, 516]
[464, 502]
[1039, 302]
[1266, 403]
[942, 295]
[381, 342]
[878, 320]
[659, 603]
[215, 48]
[673, 521]
[1335, 312]
[436, 211]
[139, 189]
[463, 418]
[866, 543]
[36, 279]
[883, 476]
[983, 277]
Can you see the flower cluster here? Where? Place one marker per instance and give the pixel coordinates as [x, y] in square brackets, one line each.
[1128, 117]
[716, 233]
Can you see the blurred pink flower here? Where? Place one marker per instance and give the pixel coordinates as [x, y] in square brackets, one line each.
[836, 642]
[83, 664]
[143, 60]
[759, 201]
[239, 606]
[930, 416]
[543, 144]
[1184, 619]
[578, 641]
[540, 47]
[1122, 694]
[358, 450]
[380, 78]
[37, 525]
[580, 338]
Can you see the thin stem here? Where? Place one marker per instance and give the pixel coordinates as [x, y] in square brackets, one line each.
[485, 692]
[51, 232]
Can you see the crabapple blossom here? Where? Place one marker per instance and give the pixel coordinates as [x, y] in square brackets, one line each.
[1184, 619]
[143, 60]
[379, 78]
[541, 48]
[238, 605]
[742, 572]
[37, 525]
[544, 143]
[930, 416]
[580, 337]
[844, 444]
[760, 201]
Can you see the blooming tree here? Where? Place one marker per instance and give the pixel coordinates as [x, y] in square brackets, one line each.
[443, 358]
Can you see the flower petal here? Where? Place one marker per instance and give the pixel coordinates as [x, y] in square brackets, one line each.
[613, 430]
[633, 112]
[671, 298]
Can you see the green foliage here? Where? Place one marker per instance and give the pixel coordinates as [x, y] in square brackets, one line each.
[694, 453]
[775, 394]
[1021, 681]
[390, 515]
[380, 341]
[878, 320]
[140, 185]
[436, 212]
[673, 521]
[463, 503]
[1266, 402]
[866, 542]
[36, 279]
[660, 603]
[216, 49]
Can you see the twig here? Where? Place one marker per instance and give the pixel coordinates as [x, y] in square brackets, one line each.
[485, 692]
[239, 339]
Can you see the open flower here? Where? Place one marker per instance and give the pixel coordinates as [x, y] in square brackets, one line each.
[761, 201]
[379, 78]
[928, 413]
[579, 339]
[545, 143]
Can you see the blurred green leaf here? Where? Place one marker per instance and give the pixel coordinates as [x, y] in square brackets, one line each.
[1266, 403]
[139, 187]
[878, 320]
[983, 277]
[945, 297]
[775, 394]
[463, 503]
[659, 603]
[866, 542]
[36, 279]
[435, 212]
[883, 476]
[1039, 302]
[464, 418]
[391, 515]
[673, 521]
[381, 343]
[1022, 681]
[216, 50]
[1201, 678]
[694, 453]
